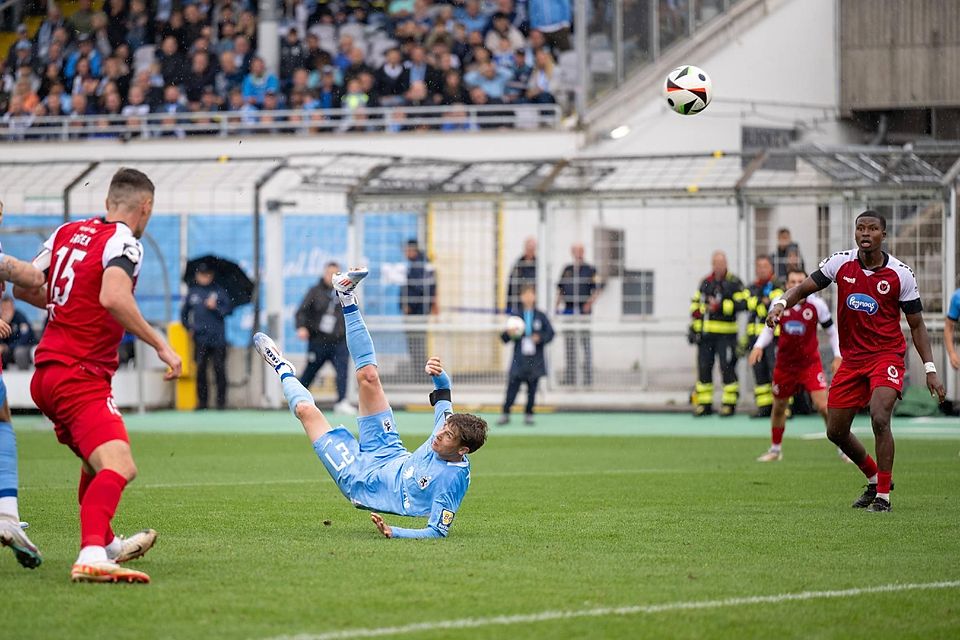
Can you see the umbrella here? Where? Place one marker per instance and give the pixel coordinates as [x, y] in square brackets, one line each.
[227, 274]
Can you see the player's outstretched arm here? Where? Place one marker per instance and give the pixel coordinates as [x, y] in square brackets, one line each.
[116, 296]
[793, 295]
[918, 330]
[440, 397]
[20, 273]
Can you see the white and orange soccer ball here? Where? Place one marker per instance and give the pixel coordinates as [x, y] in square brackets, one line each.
[515, 327]
[688, 90]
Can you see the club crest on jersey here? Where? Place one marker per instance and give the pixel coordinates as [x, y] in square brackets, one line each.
[423, 482]
[892, 372]
[808, 314]
[883, 287]
[387, 425]
[863, 303]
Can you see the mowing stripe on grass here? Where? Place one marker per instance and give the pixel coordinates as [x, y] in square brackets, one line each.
[545, 616]
[323, 478]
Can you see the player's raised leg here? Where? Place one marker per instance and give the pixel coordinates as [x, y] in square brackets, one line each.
[778, 424]
[881, 408]
[11, 535]
[301, 403]
[372, 399]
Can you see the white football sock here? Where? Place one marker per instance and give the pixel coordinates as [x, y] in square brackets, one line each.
[114, 548]
[872, 479]
[347, 299]
[885, 496]
[91, 554]
[8, 507]
[775, 448]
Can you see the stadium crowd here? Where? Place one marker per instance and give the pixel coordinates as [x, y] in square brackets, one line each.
[140, 57]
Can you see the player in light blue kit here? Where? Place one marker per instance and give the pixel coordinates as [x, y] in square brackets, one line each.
[378, 473]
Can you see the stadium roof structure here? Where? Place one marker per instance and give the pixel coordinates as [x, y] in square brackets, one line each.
[794, 171]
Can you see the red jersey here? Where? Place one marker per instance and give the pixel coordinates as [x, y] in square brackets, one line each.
[798, 347]
[79, 329]
[869, 304]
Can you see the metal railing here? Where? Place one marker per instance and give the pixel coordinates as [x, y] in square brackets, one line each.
[29, 127]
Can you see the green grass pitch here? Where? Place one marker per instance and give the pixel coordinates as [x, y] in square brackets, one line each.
[558, 519]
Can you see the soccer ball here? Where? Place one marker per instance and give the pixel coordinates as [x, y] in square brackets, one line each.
[516, 327]
[688, 90]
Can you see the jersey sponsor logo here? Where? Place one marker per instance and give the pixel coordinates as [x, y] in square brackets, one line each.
[424, 481]
[794, 328]
[850, 280]
[808, 314]
[387, 425]
[446, 517]
[863, 303]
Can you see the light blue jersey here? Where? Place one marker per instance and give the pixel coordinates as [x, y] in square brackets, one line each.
[379, 474]
[953, 311]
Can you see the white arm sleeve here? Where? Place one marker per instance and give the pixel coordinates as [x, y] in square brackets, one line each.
[908, 284]
[834, 336]
[765, 338]
[831, 265]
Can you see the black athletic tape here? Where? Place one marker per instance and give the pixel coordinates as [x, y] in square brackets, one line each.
[821, 280]
[912, 306]
[124, 263]
[439, 394]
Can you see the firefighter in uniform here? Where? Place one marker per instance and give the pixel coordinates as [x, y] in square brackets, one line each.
[713, 329]
[763, 291]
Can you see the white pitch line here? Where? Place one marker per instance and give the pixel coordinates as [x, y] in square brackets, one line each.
[546, 616]
[914, 431]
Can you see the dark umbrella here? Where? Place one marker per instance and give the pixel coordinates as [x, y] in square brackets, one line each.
[227, 274]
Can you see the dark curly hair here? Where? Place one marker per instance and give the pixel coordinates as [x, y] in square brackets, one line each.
[471, 429]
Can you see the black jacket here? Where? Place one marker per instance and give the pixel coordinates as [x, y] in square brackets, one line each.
[524, 272]
[207, 324]
[321, 300]
[532, 366]
[417, 295]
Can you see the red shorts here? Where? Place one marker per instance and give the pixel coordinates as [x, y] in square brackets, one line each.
[80, 404]
[854, 383]
[787, 382]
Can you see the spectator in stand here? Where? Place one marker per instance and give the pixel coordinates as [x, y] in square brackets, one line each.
[453, 90]
[542, 79]
[225, 38]
[519, 81]
[80, 76]
[136, 106]
[193, 25]
[116, 72]
[420, 70]
[200, 76]
[342, 58]
[101, 36]
[82, 18]
[175, 28]
[491, 79]
[457, 119]
[84, 50]
[392, 79]
[138, 28]
[57, 101]
[501, 30]
[242, 53]
[16, 347]
[299, 84]
[258, 82]
[368, 86]
[229, 77]
[358, 64]
[172, 106]
[51, 76]
[328, 94]
[247, 112]
[173, 65]
[17, 118]
[116, 13]
[44, 37]
[247, 26]
[471, 17]
[292, 56]
[553, 19]
[271, 102]
[110, 108]
[26, 45]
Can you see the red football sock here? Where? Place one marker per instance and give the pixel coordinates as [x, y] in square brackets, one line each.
[85, 480]
[776, 435]
[869, 467]
[883, 481]
[99, 504]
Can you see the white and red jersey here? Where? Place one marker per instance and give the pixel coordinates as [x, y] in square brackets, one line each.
[798, 347]
[869, 303]
[79, 329]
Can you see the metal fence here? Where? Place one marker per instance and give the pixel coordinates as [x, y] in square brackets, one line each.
[646, 224]
[30, 127]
